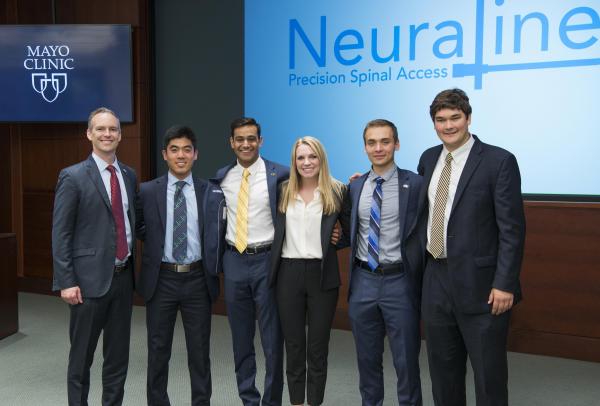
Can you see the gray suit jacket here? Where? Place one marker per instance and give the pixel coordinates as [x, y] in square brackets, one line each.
[84, 241]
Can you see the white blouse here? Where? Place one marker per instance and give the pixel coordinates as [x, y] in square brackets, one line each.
[303, 228]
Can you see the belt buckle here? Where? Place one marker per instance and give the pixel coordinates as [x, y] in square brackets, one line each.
[182, 268]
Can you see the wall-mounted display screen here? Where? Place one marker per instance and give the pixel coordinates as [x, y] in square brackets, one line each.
[60, 73]
[531, 70]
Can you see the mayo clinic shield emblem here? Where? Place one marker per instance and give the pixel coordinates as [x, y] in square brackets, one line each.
[49, 87]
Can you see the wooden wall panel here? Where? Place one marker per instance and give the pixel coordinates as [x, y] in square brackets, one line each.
[9, 305]
[560, 313]
[37, 234]
[100, 12]
[34, 11]
[5, 180]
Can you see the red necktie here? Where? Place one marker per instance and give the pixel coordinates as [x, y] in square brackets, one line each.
[117, 211]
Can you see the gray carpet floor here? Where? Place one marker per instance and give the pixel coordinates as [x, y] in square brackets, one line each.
[33, 367]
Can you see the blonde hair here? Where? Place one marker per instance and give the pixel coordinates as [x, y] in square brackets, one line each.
[331, 189]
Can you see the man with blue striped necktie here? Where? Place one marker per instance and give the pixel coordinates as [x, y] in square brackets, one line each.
[175, 272]
[378, 217]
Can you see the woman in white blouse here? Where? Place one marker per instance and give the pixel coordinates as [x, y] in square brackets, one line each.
[305, 268]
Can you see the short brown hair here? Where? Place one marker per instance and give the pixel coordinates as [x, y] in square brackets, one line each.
[454, 99]
[101, 110]
[380, 122]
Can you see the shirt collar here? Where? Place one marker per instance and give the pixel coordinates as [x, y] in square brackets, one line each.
[386, 176]
[316, 195]
[102, 165]
[172, 179]
[254, 168]
[461, 153]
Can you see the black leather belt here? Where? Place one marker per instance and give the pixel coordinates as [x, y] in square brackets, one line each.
[385, 269]
[122, 267]
[181, 268]
[250, 250]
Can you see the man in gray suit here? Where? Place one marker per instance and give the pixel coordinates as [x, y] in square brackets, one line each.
[93, 250]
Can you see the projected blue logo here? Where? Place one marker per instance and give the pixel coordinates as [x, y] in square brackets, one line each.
[478, 69]
[575, 31]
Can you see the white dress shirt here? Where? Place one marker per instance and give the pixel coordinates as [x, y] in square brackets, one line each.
[260, 219]
[303, 228]
[105, 174]
[459, 158]
[193, 233]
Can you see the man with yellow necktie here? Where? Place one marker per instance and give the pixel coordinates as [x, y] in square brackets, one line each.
[251, 187]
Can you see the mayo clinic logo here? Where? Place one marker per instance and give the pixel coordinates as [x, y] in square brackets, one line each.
[50, 65]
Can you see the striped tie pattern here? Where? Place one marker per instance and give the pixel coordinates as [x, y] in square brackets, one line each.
[374, 226]
[436, 241]
[241, 220]
[179, 224]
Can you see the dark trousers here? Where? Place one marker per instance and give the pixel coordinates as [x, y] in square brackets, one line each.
[301, 300]
[452, 335]
[110, 314]
[188, 293]
[248, 297]
[379, 306]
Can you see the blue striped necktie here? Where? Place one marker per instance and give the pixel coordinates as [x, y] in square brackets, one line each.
[179, 224]
[374, 225]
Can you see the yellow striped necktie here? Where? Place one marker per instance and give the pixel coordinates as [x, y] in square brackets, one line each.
[436, 241]
[241, 221]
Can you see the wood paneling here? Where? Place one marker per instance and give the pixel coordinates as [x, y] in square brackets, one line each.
[5, 180]
[9, 309]
[100, 12]
[560, 312]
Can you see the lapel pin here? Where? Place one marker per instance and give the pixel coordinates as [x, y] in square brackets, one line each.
[405, 186]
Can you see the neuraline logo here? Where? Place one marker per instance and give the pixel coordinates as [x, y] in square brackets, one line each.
[574, 30]
[49, 65]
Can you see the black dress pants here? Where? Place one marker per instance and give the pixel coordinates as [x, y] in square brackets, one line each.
[301, 300]
[110, 314]
[452, 336]
[188, 293]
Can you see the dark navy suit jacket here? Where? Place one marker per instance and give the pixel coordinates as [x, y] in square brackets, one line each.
[152, 214]
[409, 187]
[84, 240]
[486, 228]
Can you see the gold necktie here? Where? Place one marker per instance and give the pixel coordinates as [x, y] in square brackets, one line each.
[241, 221]
[436, 241]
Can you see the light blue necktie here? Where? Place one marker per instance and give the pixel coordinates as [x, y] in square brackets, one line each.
[179, 224]
[374, 225]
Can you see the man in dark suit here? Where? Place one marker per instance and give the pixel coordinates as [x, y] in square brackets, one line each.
[250, 188]
[175, 265]
[473, 226]
[93, 250]
[378, 216]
